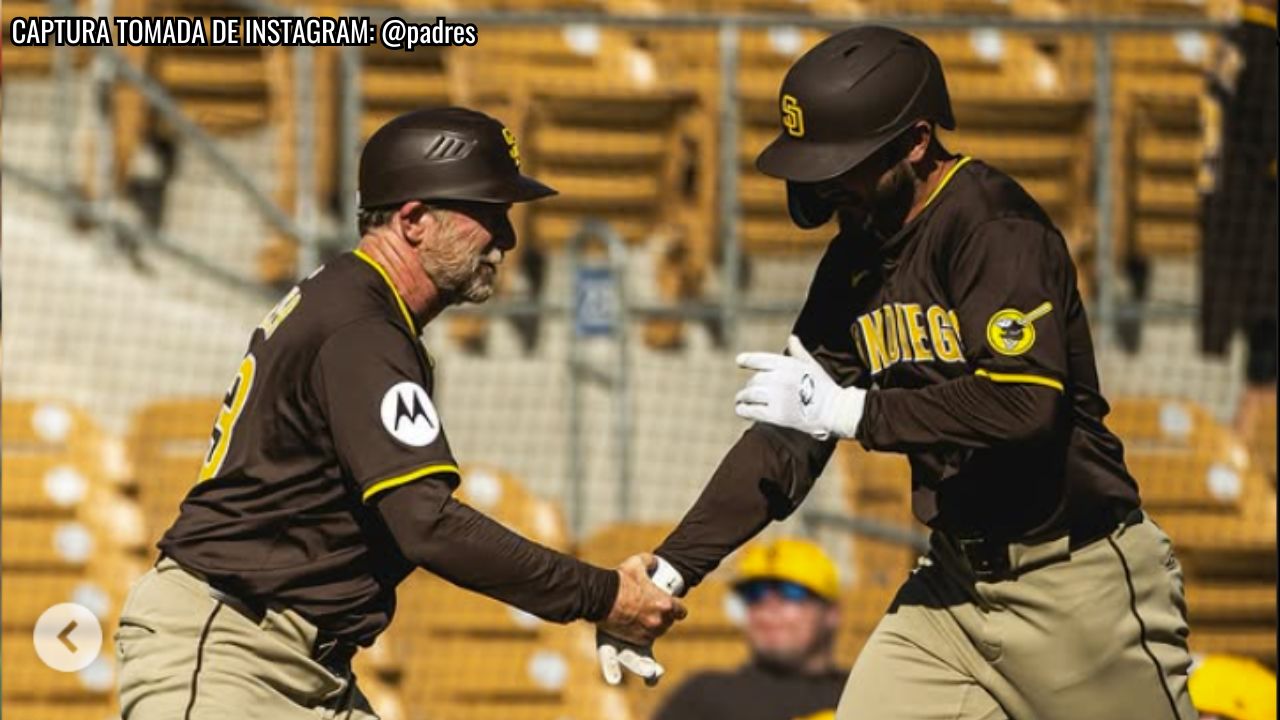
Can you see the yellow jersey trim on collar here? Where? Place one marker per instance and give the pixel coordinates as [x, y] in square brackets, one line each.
[1019, 379]
[406, 478]
[1258, 16]
[404, 309]
[945, 179]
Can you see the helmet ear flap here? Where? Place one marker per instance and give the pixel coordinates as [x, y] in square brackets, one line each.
[807, 209]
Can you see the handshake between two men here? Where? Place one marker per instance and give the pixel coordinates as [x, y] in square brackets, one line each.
[792, 391]
[646, 607]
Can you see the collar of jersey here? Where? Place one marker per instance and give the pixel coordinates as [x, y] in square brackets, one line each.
[889, 248]
[945, 179]
[1258, 16]
[404, 309]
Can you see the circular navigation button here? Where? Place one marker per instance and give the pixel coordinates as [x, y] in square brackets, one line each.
[68, 637]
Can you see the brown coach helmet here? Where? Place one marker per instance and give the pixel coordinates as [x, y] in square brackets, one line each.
[449, 153]
[844, 99]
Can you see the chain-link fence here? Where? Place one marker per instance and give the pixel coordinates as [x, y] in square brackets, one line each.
[158, 201]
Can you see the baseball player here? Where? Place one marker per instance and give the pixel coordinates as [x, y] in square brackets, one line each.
[328, 477]
[943, 322]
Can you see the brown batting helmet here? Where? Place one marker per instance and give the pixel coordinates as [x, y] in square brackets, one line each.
[847, 97]
[449, 153]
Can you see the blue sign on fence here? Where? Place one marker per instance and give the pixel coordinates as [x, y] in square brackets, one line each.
[595, 310]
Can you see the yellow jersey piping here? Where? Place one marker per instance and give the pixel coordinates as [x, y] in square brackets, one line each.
[1020, 378]
[408, 477]
[945, 179]
[396, 293]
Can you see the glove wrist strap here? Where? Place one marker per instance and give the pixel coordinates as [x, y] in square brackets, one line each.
[668, 578]
[846, 412]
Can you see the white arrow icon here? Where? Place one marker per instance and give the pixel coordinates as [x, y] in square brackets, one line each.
[67, 637]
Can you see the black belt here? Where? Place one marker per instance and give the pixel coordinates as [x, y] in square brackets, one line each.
[333, 653]
[989, 558]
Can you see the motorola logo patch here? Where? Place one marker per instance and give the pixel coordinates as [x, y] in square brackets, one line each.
[407, 413]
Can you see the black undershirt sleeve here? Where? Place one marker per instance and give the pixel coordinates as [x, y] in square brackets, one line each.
[471, 550]
[763, 477]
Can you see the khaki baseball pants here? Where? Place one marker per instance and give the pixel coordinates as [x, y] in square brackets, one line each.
[184, 656]
[1099, 632]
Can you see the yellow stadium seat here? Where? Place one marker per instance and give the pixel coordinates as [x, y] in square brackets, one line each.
[682, 657]
[460, 667]
[35, 59]
[224, 91]
[500, 495]
[1198, 483]
[1261, 440]
[1258, 643]
[1173, 480]
[381, 661]
[28, 594]
[54, 710]
[26, 678]
[1237, 601]
[47, 543]
[51, 427]
[37, 484]
[497, 709]
[1146, 422]
[383, 696]
[167, 441]
[1209, 542]
[589, 699]
[713, 611]
[877, 486]
[775, 233]
[605, 146]
[613, 543]
[428, 604]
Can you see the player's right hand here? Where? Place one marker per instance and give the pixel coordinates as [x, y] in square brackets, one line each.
[642, 612]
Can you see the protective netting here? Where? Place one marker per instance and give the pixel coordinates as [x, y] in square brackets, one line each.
[120, 337]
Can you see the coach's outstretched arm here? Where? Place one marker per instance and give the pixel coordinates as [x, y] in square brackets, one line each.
[437, 532]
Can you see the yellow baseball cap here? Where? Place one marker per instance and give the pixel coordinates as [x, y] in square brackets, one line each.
[1233, 687]
[791, 559]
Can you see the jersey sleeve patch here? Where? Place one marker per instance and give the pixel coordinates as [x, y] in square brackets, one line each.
[409, 416]
[1012, 332]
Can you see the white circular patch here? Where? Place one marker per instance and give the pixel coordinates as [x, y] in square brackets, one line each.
[407, 413]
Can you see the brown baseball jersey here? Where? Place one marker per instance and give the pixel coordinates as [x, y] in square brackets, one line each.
[977, 291]
[968, 330]
[331, 407]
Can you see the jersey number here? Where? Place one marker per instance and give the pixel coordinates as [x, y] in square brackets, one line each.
[232, 405]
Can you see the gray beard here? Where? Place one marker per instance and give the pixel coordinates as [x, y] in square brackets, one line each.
[456, 289]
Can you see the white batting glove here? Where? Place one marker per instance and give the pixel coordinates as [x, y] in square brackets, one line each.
[794, 391]
[616, 654]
